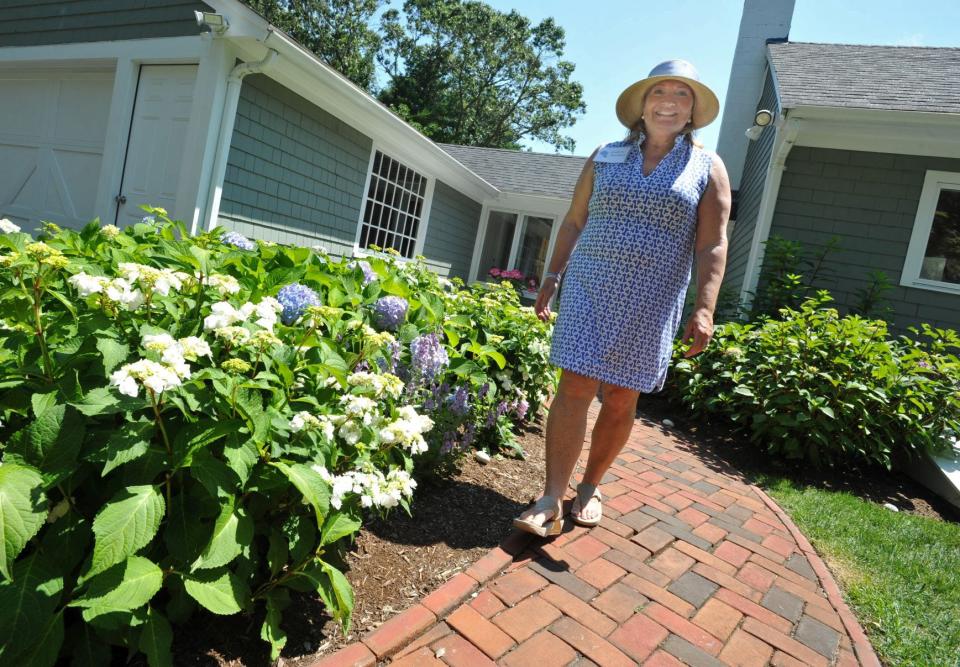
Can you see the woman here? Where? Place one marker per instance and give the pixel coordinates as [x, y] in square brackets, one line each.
[643, 209]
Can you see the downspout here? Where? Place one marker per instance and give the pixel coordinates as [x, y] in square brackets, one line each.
[787, 132]
[227, 121]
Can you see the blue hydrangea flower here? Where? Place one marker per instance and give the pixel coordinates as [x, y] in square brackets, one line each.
[238, 240]
[427, 356]
[389, 312]
[295, 299]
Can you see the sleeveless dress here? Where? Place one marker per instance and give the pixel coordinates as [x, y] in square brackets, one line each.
[624, 287]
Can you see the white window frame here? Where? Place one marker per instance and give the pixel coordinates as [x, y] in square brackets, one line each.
[521, 214]
[933, 184]
[422, 224]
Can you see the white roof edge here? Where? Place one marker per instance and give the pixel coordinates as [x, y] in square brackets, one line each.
[358, 109]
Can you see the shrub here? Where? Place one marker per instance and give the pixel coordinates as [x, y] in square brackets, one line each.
[826, 389]
[198, 424]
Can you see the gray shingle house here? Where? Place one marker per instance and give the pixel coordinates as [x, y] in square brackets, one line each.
[105, 106]
[865, 148]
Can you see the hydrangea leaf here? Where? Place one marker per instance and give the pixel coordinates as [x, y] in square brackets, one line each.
[126, 524]
[122, 587]
[221, 592]
[23, 508]
[231, 531]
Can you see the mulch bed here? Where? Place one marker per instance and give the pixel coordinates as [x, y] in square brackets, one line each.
[396, 562]
[393, 564]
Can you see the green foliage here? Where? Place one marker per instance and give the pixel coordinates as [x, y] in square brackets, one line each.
[465, 73]
[176, 441]
[788, 276]
[871, 300]
[338, 31]
[826, 389]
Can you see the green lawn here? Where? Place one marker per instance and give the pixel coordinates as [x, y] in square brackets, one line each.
[900, 573]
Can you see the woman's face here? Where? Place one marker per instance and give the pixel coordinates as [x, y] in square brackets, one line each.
[668, 107]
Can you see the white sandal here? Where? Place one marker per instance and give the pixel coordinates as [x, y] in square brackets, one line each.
[550, 527]
[586, 493]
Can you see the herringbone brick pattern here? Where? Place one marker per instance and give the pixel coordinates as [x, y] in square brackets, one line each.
[691, 566]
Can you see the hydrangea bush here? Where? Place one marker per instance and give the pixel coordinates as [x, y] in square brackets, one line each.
[816, 387]
[198, 425]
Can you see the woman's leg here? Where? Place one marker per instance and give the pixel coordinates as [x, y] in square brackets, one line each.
[566, 428]
[610, 434]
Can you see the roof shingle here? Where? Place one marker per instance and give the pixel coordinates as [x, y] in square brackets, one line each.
[903, 78]
[541, 174]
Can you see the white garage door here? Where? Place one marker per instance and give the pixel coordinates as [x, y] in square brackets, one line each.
[52, 129]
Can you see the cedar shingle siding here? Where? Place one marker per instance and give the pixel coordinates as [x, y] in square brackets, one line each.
[751, 190]
[34, 22]
[295, 173]
[451, 232]
[869, 201]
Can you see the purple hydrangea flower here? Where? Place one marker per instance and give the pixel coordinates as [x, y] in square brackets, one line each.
[238, 240]
[428, 356]
[295, 299]
[459, 403]
[369, 275]
[469, 433]
[484, 388]
[389, 312]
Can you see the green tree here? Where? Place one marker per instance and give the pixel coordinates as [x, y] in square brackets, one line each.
[466, 73]
[336, 30]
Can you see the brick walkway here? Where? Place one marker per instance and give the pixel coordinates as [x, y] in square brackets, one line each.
[690, 566]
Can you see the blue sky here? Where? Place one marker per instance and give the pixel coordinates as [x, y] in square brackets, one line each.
[615, 42]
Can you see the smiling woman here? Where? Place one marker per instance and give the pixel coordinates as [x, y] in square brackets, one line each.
[643, 209]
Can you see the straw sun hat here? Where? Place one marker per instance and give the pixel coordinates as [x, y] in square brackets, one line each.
[705, 108]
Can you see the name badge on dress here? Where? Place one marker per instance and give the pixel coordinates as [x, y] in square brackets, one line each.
[612, 154]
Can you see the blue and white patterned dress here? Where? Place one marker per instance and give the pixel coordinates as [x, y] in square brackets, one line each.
[624, 287]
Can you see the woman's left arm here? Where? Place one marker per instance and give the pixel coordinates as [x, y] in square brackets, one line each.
[711, 256]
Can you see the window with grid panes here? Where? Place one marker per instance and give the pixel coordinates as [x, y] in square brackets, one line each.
[391, 217]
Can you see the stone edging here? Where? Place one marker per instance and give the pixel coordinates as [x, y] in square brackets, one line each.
[861, 644]
[404, 628]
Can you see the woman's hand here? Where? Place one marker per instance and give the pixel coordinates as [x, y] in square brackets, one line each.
[544, 296]
[698, 332]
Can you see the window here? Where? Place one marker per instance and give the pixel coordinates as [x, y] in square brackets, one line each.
[933, 257]
[514, 241]
[394, 207]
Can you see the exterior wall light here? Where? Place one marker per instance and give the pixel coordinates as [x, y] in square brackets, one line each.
[217, 23]
[762, 118]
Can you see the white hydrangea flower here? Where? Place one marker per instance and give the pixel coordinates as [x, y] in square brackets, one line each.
[358, 406]
[193, 348]
[224, 284]
[350, 431]
[233, 335]
[151, 374]
[222, 315]
[87, 285]
[267, 312]
[7, 227]
[110, 231]
[302, 421]
[377, 384]
[122, 292]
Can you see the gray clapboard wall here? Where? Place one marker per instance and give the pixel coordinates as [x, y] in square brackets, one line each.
[451, 232]
[295, 174]
[35, 22]
[751, 191]
[869, 202]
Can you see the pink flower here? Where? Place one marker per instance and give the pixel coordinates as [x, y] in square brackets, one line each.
[495, 272]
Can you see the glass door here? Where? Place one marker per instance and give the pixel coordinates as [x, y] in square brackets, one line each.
[497, 243]
[532, 255]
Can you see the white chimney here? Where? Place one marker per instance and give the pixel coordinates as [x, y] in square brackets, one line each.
[761, 20]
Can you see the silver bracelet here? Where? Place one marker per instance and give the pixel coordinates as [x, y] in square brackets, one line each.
[552, 274]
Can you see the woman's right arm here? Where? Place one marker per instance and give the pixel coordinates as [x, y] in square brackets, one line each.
[567, 235]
